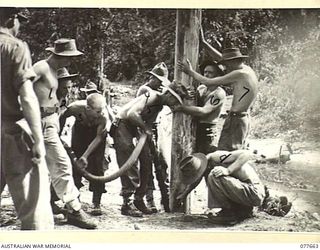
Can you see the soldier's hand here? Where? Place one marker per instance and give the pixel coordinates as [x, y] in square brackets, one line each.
[82, 162]
[177, 108]
[38, 152]
[185, 66]
[220, 171]
[160, 89]
[149, 132]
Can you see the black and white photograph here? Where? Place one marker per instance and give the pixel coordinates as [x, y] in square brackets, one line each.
[160, 119]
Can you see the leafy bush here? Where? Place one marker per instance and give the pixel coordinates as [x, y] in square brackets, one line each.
[283, 46]
[288, 101]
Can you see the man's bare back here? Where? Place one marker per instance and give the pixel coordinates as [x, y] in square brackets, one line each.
[46, 84]
[141, 104]
[78, 110]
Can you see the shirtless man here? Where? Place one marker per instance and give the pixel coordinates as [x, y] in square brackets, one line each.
[210, 102]
[58, 162]
[88, 141]
[131, 119]
[159, 71]
[244, 82]
[216, 55]
[233, 185]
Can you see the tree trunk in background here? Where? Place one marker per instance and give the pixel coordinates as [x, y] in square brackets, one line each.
[101, 68]
[183, 127]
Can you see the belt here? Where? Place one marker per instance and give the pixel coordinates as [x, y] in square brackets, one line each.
[205, 124]
[46, 111]
[238, 114]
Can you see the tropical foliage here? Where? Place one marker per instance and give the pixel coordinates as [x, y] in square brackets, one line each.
[283, 46]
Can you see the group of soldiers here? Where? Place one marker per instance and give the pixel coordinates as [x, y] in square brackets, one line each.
[39, 95]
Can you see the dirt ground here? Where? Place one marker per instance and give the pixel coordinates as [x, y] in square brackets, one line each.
[298, 179]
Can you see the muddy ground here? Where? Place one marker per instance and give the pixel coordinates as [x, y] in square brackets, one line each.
[299, 179]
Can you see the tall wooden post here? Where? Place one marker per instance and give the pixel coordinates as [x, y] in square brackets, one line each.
[183, 128]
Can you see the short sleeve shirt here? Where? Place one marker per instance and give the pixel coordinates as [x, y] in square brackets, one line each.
[16, 68]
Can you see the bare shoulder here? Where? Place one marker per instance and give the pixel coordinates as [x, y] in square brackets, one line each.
[77, 106]
[240, 72]
[221, 156]
[221, 92]
[143, 89]
[41, 67]
[247, 71]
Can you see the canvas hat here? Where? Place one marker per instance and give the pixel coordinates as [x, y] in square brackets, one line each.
[231, 53]
[64, 74]
[90, 86]
[8, 12]
[65, 47]
[161, 72]
[192, 169]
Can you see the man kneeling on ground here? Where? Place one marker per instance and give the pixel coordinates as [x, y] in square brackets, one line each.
[233, 184]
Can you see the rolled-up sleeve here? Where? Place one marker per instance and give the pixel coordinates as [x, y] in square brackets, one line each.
[23, 70]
